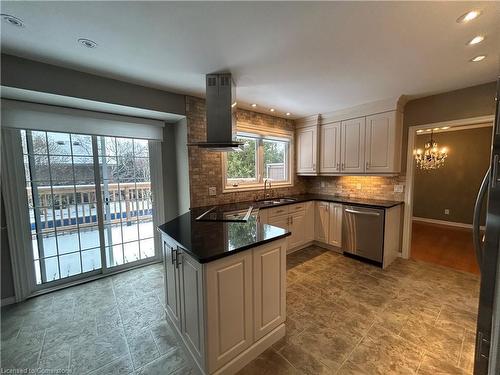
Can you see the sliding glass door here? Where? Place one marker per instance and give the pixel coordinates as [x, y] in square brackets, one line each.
[89, 202]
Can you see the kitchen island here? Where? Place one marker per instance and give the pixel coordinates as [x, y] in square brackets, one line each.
[225, 288]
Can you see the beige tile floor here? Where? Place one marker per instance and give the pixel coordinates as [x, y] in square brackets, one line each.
[347, 317]
[344, 317]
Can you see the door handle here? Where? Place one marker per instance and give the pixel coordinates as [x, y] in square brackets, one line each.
[368, 213]
[476, 219]
[178, 259]
[494, 181]
[174, 258]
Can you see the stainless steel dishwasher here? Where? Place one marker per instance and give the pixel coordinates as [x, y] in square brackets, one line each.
[363, 232]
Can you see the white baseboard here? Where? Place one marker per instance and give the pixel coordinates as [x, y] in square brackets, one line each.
[444, 222]
[8, 301]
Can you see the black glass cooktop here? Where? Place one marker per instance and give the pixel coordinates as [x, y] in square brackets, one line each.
[218, 213]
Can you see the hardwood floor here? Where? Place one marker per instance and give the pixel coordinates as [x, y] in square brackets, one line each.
[447, 246]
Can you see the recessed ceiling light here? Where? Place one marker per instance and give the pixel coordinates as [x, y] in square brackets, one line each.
[11, 20]
[87, 43]
[271, 109]
[469, 16]
[477, 39]
[254, 105]
[478, 58]
[287, 114]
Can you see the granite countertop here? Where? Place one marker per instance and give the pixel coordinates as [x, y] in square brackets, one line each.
[206, 241]
[210, 240]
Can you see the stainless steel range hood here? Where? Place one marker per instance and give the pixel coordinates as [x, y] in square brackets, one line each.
[221, 114]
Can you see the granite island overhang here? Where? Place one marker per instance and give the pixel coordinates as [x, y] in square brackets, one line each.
[225, 288]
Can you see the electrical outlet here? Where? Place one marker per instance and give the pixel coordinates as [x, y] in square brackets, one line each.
[323, 184]
[212, 190]
[398, 188]
[446, 211]
[358, 186]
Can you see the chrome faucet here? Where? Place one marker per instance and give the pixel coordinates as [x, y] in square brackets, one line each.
[265, 187]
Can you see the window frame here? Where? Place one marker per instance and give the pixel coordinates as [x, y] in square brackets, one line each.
[260, 137]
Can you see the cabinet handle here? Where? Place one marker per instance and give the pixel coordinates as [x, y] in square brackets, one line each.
[174, 259]
[314, 166]
[178, 259]
[343, 166]
[338, 166]
[367, 165]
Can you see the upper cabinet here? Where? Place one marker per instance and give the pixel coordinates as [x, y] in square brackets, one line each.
[330, 148]
[352, 158]
[342, 144]
[383, 143]
[307, 146]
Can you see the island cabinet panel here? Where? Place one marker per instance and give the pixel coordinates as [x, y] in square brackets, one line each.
[269, 263]
[229, 308]
[172, 287]
[192, 325]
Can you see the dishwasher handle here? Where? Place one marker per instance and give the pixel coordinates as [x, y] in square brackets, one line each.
[368, 213]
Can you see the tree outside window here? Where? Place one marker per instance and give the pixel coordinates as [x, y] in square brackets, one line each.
[260, 158]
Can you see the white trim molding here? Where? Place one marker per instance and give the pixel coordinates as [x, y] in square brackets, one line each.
[410, 170]
[443, 222]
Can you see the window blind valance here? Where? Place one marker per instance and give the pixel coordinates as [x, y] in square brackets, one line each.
[24, 115]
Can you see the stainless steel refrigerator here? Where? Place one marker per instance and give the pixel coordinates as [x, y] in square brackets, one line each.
[487, 357]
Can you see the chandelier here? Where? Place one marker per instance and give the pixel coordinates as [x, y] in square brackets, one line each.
[431, 157]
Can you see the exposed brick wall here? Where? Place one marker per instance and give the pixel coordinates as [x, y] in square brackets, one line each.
[205, 167]
[374, 187]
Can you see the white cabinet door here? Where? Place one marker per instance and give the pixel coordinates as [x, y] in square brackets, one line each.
[335, 227]
[229, 298]
[307, 139]
[353, 146]
[191, 293]
[172, 297]
[298, 229]
[329, 152]
[309, 222]
[321, 221]
[381, 143]
[269, 262]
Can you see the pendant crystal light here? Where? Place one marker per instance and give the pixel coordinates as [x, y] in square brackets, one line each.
[432, 157]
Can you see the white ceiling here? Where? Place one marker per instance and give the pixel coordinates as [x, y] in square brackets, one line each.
[302, 57]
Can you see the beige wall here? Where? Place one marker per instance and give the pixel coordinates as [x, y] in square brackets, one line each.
[205, 167]
[455, 185]
[474, 101]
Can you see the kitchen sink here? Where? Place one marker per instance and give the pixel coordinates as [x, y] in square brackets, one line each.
[278, 200]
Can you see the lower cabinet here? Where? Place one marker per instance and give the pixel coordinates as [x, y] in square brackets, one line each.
[328, 223]
[297, 218]
[225, 309]
[335, 225]
[321, 221]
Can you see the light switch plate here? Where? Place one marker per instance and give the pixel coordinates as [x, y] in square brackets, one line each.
[323, 184]
[446, 211]
[358, 186]
[399, 188]
[212, 190]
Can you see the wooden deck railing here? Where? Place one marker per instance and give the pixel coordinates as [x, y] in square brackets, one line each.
[77, 204]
